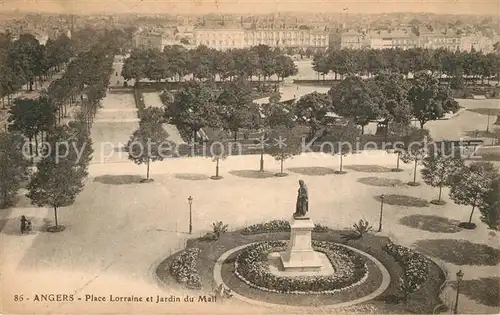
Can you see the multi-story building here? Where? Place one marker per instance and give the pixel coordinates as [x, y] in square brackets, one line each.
[387, 40]
[220, 39]
[478, 42]
[150, 41]
[435, 40]
[239, 38]
[352, 40]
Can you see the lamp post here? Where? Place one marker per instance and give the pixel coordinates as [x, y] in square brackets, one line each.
[381, 211]
[190, 200]
[460, 276]
[488, 122]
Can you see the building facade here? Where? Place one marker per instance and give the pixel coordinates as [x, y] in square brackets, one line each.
[352, 40]
[239, 38]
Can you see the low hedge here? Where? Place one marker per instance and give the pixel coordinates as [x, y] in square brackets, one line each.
[184, 269]
[252, 268]
[277, 226]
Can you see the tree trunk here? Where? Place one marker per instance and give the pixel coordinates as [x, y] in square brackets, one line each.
[415, 172]
[422, 123]
[262, 158]
[397, 161]
[362, 129]
[31, 147]
[36, 145]
[217, 167]
[341, 160]
[472, 212]
[282, 161]
[55, 216]
[147, 172]
[235, 135]
[440, 192]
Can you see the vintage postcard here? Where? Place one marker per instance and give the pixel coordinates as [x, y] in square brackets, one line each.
[249, 157]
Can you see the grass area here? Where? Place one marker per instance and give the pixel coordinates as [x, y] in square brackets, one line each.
[421, 301]
[485, 111]
[370, 285]
[312, 171]
[483, 290]
[460, 252]
[380, 181]
[368, 168]
[191, 176]
[252, 174]
[404, 201]
[431, 223]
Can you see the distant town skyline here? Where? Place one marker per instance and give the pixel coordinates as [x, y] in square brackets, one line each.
[478, 7]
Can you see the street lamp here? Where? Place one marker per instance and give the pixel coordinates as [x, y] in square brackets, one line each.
[381, 210]
[488, 123]
[460, 276]
[190, 200]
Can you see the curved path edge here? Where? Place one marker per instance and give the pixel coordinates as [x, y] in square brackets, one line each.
[386, 279]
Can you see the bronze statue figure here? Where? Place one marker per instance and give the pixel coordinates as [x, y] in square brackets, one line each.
[302, 205]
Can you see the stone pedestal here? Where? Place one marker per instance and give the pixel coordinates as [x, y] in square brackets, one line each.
[300, 255]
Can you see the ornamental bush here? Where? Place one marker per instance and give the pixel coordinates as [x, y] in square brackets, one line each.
[277, 226]
[414, 264]
[184, 268]
[251, 267]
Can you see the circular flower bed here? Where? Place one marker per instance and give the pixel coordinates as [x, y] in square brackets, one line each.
[252, 268]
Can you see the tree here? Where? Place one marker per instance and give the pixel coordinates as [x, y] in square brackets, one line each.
[490, 207]
[470, 185]
[285, 67]
[429, 100]
[274, 115]
[147, 143]
[236, 108]
[13, 166]
[415, 154]
[23, 118]
[219, 150]
[438, 171]
[60, 174]
[343, 137]
[194, 108]
[287, 145]
[311, 110]
[356, 99]
[394, 105]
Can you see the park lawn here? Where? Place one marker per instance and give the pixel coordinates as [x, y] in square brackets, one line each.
[421, 301]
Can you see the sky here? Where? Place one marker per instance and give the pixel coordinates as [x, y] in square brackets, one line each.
[489, 7]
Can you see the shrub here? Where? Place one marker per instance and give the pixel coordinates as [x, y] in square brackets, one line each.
[415, 267]
[184, 269]
[219, 228]
[359, 229]
[275, 226]
[251, 267]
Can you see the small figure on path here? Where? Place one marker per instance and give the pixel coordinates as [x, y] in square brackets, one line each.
[302, 205]
[24, 223]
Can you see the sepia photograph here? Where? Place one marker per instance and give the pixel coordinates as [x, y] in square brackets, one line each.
[249, 157]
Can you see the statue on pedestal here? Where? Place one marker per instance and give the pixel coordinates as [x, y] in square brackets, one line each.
[302, 205]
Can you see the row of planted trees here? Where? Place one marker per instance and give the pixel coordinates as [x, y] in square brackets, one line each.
[67, 148]
[475, 184]
[205, 63]
[456, 64]
[25, 61]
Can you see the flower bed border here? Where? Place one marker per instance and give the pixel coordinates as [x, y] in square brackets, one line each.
[193, 279]
[276, 226]
[277, 247]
